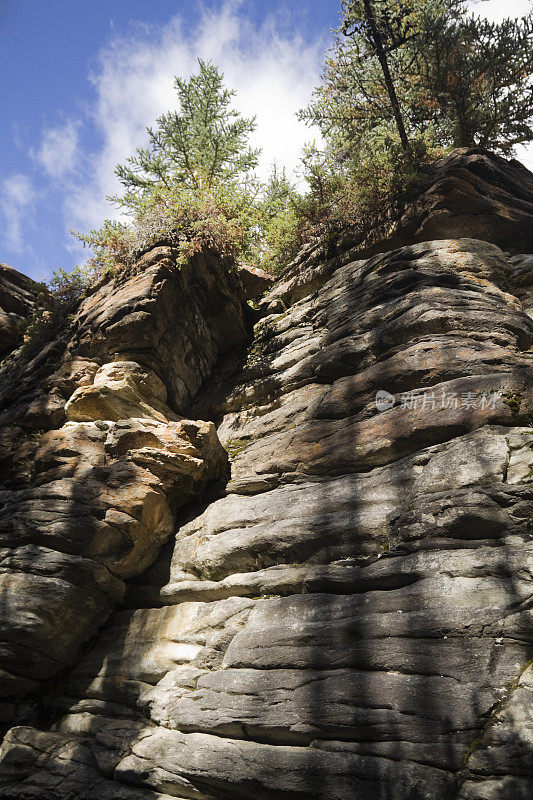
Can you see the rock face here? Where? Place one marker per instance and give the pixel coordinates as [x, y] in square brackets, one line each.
[254, 281]
[16, 303]
[471, 193]
[468, 193]
[93, 475]
[347, 615]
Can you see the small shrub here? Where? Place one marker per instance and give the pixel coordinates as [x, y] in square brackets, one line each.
[360, 192]
[55, 303]
[514, 401]
[110, 245]
[223, 219]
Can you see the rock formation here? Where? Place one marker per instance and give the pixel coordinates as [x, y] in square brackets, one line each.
[95, 461]
[255, 281]
[17, 295]
[345, 612]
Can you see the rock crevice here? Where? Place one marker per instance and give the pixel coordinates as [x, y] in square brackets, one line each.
[348, 615]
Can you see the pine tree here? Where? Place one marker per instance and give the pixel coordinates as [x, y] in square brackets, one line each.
[192, 185]
[375, 38]
[453, 78]
[203, 143]
[476, 82]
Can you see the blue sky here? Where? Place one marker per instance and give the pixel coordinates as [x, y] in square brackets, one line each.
[81, 80]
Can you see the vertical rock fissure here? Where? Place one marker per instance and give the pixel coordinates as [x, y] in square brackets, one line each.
[339, 619]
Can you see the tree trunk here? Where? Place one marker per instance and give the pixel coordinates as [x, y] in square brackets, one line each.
[380, 52]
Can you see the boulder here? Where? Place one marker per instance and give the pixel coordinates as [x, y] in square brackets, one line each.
[255, 281]
[120, 390]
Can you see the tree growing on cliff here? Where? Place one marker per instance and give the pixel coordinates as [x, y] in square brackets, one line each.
[404, 82]
[430, 69]
[475, 83]
[375, 27]
[200, 145]
[278, 233]
[194, 186]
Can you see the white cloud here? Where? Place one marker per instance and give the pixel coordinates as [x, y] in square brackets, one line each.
[16, 200]
[272, 68]
[524, 153]
[274, 72]
[59, 149]
[496, 10]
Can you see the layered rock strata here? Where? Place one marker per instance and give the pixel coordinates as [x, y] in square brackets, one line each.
[95, 474]
[17, 297]
[350, 615]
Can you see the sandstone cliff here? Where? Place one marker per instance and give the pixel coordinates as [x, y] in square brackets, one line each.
[343, 610]
[17, 296]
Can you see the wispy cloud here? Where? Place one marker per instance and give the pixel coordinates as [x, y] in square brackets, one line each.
[58, 152]
[496, 10]
[273, 70]
[17, 198]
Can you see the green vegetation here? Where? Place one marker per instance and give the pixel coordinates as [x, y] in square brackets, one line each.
[279, 233]
[402, 85]
[235, 446]
[55, 303]
[456, 79]
[514, 401]
[357, 193]
[202, 145]
[194, 185]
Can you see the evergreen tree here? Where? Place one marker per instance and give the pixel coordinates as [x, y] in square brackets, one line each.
[204, 143]
[194, 187]
[278, 237]
[277, 192]
[369, 22]
[430, 68]
[475, 84]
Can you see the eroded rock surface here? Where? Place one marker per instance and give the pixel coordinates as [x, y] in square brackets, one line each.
[350, 616]
[468, 193]
[255, 281]
[97, 466]
[17, 295]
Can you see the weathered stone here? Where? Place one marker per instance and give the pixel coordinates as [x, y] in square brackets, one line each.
[89, 503]
[468, 193]
[120, 390]
[175, 322]
[104, 492]
[254, 281]
[351, 617]
[17, 296]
